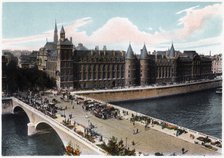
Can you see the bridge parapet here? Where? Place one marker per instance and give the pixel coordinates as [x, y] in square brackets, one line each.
[66, 135]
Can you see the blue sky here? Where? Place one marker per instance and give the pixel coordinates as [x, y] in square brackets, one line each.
[190, 25]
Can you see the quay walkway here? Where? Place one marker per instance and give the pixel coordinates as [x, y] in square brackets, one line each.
[148, 142]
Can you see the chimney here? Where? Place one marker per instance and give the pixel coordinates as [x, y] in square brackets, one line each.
[70, 39]
[104, 48]
[96, 47]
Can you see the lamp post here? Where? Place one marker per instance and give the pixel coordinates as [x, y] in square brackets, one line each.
[126, 140]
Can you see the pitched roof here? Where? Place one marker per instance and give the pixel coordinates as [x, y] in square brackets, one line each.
[65, 42]
[163, 53]
[191, 54]
[50, 46]
[80, 47]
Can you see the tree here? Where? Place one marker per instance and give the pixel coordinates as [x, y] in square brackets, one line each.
[24, 79]
[114, 147]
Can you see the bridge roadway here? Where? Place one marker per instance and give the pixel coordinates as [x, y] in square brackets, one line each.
[66, 135]
[146, 141]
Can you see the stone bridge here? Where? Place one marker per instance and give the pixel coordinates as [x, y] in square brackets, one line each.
[66, 135]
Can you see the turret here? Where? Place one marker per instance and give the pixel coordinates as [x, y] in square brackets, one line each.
[130, 53]
[62, 34]
[130, 67]
[144, 67]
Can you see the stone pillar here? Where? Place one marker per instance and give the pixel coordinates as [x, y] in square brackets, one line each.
[31, 130]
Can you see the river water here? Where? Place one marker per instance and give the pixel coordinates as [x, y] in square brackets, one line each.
[16, 142]
[201, 111]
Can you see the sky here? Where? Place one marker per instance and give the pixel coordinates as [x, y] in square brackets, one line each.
[188, 25]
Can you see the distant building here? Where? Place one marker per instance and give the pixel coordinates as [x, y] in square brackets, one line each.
[10, 57]
[80, 68]
[28, 61]
[4, 63]
[217, 64]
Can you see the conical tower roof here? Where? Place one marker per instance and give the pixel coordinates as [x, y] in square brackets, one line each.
[144, 53]
[130, 53]
[172, 51]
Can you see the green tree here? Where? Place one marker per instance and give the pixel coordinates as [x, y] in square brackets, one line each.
[24, 79]
[114, 147]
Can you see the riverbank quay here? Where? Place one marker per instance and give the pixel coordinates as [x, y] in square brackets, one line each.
[147, 141]
[177, 132]
[147, 92]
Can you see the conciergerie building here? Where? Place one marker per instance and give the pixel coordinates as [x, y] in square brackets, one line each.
[76, 67]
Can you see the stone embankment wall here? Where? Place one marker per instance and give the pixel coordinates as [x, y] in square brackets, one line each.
[150, 92]
[7, 106]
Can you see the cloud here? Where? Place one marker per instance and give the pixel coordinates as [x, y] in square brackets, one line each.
[187, 10]
[117, 32]
[195, 19]
[70, 28]
[12, 41]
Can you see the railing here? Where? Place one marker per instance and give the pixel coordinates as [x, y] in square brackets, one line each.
[52, 121]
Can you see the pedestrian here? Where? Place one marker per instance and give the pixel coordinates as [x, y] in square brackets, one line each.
[182, 150]
[133, 143]
[137, 131]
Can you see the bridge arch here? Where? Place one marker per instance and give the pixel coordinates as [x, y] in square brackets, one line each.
[55, 130]
[26, 112]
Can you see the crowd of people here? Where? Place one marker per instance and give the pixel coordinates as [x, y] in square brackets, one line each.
[98, 109]
[35, 100]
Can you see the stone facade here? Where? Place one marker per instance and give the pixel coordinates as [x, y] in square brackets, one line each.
[217, 64]
[81, 68]
[98, 69]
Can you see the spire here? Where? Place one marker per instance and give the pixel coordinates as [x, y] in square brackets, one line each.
[172, 51]
[144, 53]
[55, 33]
[55, 28]
[130, 53]
[62, 34]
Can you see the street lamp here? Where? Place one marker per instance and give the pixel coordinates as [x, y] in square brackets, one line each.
[126, 140]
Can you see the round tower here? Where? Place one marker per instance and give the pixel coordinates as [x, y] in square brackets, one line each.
[144, 67]
[130, 67]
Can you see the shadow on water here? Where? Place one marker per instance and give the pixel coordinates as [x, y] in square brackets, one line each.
[201, 111]
[16, 142]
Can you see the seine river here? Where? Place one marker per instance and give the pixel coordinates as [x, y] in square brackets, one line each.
[201, 111]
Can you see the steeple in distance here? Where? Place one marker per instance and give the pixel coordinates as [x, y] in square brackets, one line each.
[55, 33]
[172, 51]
